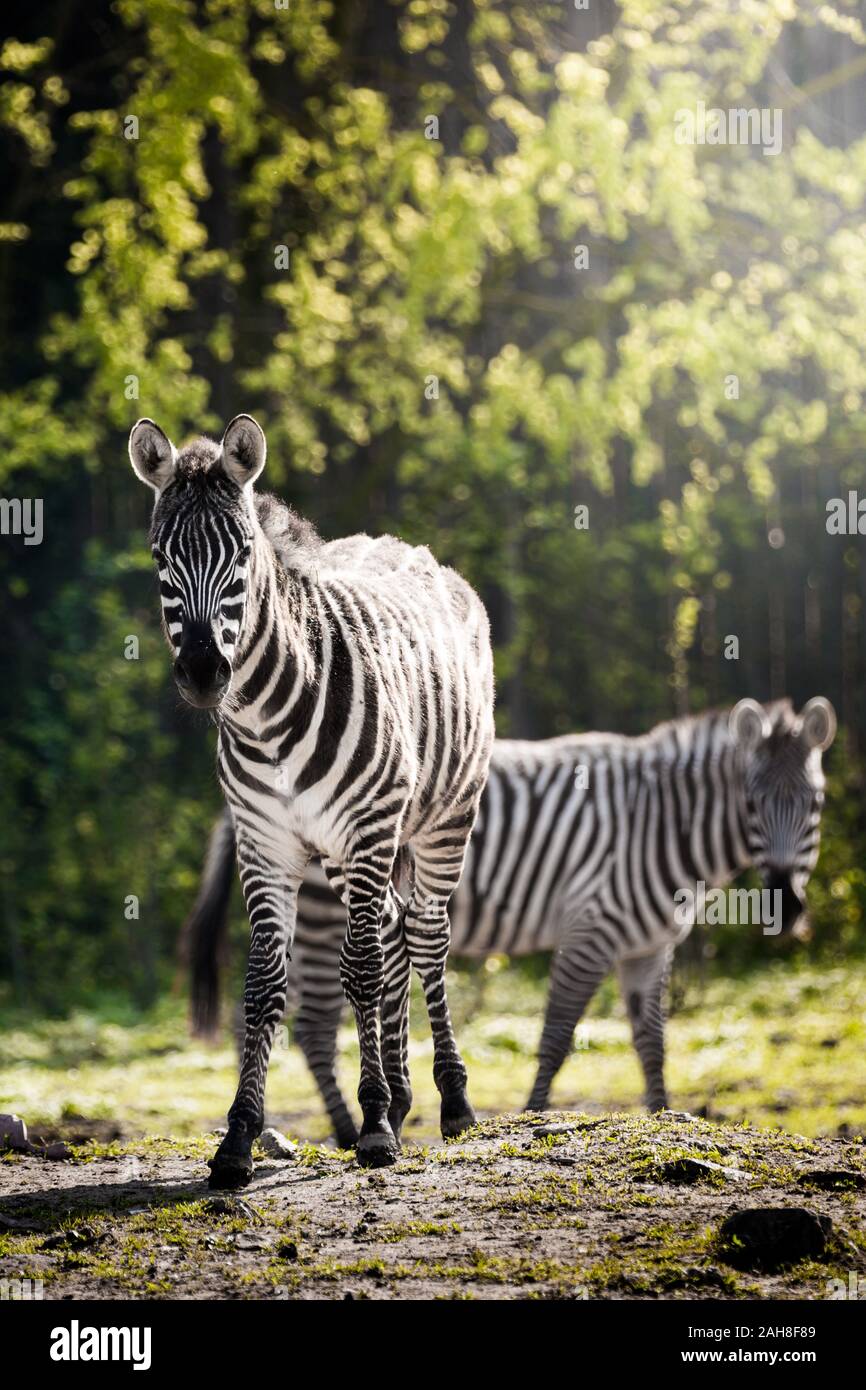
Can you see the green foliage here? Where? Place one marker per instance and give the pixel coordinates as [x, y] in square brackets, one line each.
[139, 276]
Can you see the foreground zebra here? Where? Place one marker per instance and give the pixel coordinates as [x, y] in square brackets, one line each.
[352, 687]
[580, 847]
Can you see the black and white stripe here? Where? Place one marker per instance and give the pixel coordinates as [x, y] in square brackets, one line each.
[351, 683]
[580, 846]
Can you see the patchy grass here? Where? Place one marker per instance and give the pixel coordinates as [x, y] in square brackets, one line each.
[782, 1047]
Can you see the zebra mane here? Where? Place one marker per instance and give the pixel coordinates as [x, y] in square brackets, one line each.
[783, 720]
[781, 714]
[294, 539]
[596, 744]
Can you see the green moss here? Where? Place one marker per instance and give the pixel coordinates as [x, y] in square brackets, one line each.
[392, 1232]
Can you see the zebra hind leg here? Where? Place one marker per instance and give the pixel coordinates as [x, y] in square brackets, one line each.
[579, 966]
[438, 866]
[395, 1014]
[643, 981]
[316, 1035]
[320, 1008]
[394, 1011]
[362, 971]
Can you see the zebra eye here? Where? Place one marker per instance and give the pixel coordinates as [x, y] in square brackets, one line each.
[157, 554]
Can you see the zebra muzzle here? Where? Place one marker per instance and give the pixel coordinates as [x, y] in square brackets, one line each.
[201, 671]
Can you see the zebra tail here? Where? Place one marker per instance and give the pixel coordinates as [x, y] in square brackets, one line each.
[204, 935]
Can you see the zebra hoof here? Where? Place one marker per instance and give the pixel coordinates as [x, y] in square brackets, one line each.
[229, 1171]
[457, 1121]
[346, 1137]
[378, 1150]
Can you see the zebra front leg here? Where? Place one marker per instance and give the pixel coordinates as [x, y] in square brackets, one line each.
[643, 981]
[395, 1014]
[271, 898]
[362, 971]
[579, 966]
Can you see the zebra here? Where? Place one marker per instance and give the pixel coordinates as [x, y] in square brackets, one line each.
[581, 845]
[351, 683]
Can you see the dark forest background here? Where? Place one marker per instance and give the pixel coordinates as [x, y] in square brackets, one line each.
[439, 358]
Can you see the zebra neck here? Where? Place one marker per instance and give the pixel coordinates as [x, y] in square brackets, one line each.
[714, 819]
[280, 655]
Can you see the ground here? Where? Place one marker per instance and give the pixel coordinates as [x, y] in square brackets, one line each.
[772, 1061]
[598, 1208]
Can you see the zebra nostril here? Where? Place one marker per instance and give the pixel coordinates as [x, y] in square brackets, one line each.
[223, 672]
[181, 674]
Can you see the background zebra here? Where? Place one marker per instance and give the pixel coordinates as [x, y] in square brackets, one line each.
[352, 688]
[580, 846]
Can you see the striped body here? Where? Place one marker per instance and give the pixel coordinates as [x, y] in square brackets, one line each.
[375, 728]
[581, 846]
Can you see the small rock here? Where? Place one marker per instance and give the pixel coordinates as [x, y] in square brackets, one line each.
[368, 1218]
[675, 1115]
[248, 1240]
[57, 1150]
[830, 1179]
[74, 1237]
[232, 1206]
[13, 1134]
[545, 1131]
[695, 1169]
[287, 1250]
[276, 1145]
[829, 1042]
[765, 1238]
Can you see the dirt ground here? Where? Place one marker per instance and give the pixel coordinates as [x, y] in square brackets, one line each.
[601, 1207]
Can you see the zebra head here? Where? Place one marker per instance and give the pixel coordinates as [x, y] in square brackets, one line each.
[202, 536]
[783, 788]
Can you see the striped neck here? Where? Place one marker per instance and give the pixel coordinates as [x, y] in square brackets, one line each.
[279, 660]
[713, 816]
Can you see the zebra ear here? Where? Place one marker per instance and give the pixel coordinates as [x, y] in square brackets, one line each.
[152, 454]
[818, 723]
[244, 450]
[748, 724]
